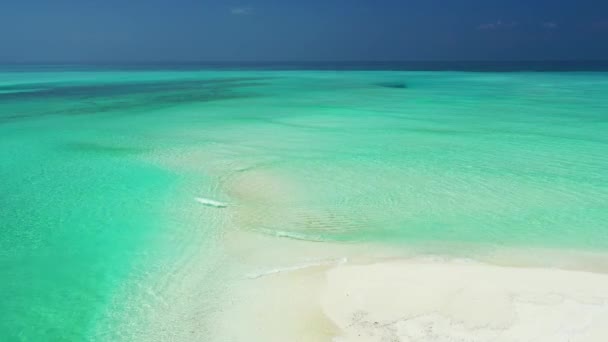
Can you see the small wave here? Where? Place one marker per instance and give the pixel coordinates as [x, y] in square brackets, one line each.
[286, 269]
[292, 235]
[210, 203]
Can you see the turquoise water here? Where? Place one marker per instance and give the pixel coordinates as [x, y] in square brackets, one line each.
[100, 169]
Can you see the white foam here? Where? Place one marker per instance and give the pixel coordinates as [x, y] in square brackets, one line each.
[291, 235]
[210, 203]
[297, 267]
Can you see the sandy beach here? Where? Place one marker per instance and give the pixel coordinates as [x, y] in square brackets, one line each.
[315, 292]
[464, 301]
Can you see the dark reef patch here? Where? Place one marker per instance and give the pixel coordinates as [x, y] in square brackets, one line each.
[70, 99]
[89, 147]
[58, 90]
[394, 85]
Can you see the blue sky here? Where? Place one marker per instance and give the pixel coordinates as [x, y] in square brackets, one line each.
[272, 30]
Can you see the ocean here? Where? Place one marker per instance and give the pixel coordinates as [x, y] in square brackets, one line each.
[113, 174]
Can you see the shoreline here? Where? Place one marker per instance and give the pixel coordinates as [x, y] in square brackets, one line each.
[362, 293]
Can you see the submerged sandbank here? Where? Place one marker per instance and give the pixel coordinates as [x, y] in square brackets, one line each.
[267, 287]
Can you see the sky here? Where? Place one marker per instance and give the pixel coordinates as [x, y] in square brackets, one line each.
[306, 30]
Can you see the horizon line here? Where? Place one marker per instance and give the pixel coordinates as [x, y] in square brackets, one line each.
[308, 61]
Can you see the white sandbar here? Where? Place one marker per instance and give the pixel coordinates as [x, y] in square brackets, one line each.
[413, 300]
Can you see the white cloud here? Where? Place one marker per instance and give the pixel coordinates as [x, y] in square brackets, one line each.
[241, 10]
[549, 25]
[497, 25]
